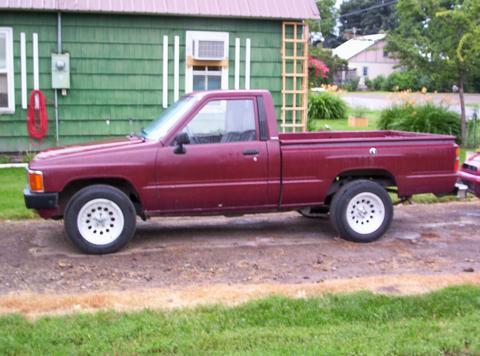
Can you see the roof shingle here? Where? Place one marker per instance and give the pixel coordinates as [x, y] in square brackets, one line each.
[274, 9]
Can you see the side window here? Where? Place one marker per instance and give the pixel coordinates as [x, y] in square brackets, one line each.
[222, 121]
[7, 104]
[365, 71]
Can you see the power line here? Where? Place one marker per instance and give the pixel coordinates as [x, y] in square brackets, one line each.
[360, 11]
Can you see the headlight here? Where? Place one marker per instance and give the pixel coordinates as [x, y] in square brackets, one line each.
[35, 181]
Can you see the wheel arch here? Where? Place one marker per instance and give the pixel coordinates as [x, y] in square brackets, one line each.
[122, 184]
[381, 176]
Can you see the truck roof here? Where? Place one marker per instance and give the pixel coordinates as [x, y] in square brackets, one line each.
[227, 92]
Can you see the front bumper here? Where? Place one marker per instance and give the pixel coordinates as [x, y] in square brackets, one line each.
[40, 201]
[471, 181]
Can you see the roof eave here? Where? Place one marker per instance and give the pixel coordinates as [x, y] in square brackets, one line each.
[314, 17]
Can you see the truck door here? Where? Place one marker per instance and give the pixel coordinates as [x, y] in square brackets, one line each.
[224, 165]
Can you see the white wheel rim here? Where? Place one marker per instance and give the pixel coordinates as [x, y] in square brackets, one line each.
[365, 213]
[100, 221]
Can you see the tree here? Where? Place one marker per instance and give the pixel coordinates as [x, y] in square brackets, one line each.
[439, 37]
[327, 23]
[367, 17]
[328, 18]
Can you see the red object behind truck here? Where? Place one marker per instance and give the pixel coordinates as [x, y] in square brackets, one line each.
[220, 153]
[469, 174]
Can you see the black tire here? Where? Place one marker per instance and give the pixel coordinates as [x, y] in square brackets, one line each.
[349, 224]
[116, 206]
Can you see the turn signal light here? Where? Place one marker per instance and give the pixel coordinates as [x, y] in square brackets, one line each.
[457, 159]
[35, 181]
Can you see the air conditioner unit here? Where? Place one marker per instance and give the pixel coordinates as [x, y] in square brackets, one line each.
[208, 50]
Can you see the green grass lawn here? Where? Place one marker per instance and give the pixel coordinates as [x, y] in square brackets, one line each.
[12, 183]
[342, 125]
[446, 322]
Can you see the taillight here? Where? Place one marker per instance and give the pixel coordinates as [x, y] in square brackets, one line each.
[35, 181]
[457, 159]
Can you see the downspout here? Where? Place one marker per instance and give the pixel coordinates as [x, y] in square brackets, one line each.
[59, 50]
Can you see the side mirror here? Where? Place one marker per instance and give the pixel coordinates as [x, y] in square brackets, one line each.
[181, 139]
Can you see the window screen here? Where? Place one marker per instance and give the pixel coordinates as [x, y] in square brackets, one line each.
[211, 49]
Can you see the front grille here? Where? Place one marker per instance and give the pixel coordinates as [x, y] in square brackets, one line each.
[469, 167]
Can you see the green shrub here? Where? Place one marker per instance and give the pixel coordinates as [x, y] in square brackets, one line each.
[326, 106]
[369, 84]
[472, 140]
[389, 118]
[378, 83]
[350, 85]
[421, 118]
[4, 159]
[398, 81]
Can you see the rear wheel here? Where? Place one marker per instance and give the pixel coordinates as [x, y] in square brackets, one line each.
[100, 219]
[361, 211]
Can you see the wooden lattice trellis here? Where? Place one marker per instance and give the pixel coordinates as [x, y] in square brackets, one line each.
[294, 76]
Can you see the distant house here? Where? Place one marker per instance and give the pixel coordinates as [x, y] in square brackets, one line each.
[367, 57]
[110, 67]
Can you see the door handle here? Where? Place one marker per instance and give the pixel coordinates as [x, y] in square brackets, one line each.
[250, 152]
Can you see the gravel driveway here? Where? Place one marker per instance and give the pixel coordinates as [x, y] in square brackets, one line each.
[283, 248]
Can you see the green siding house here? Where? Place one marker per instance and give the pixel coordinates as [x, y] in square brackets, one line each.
[107, 68]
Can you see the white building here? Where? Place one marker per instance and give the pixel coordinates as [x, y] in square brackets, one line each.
[367, 56]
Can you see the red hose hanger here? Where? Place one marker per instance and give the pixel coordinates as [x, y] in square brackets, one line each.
[37, 119]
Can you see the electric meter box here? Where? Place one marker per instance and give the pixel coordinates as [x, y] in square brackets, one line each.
[60, 71]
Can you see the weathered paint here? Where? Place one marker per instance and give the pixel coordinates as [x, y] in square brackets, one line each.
[116, 69]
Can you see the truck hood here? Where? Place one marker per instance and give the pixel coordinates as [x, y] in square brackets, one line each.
[89, 149]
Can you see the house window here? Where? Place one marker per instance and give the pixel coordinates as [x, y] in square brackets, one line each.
[7, 104]
[206, 60]
[365, 71]
[207, 78]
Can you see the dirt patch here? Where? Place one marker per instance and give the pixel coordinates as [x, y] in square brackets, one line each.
[36, 305]
[177, 256]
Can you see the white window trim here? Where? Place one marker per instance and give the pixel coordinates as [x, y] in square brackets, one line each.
[165, 73]
[207, 36]
[9, 71]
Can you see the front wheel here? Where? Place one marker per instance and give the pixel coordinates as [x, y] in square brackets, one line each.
[100, 219]
[361, 211]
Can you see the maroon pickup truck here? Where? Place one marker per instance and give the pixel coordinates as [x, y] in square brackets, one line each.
[220, 152]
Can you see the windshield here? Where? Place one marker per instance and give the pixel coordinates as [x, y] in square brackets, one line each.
[161, 125]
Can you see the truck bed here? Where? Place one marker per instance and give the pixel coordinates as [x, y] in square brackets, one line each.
[358, 136]
[414, 162]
